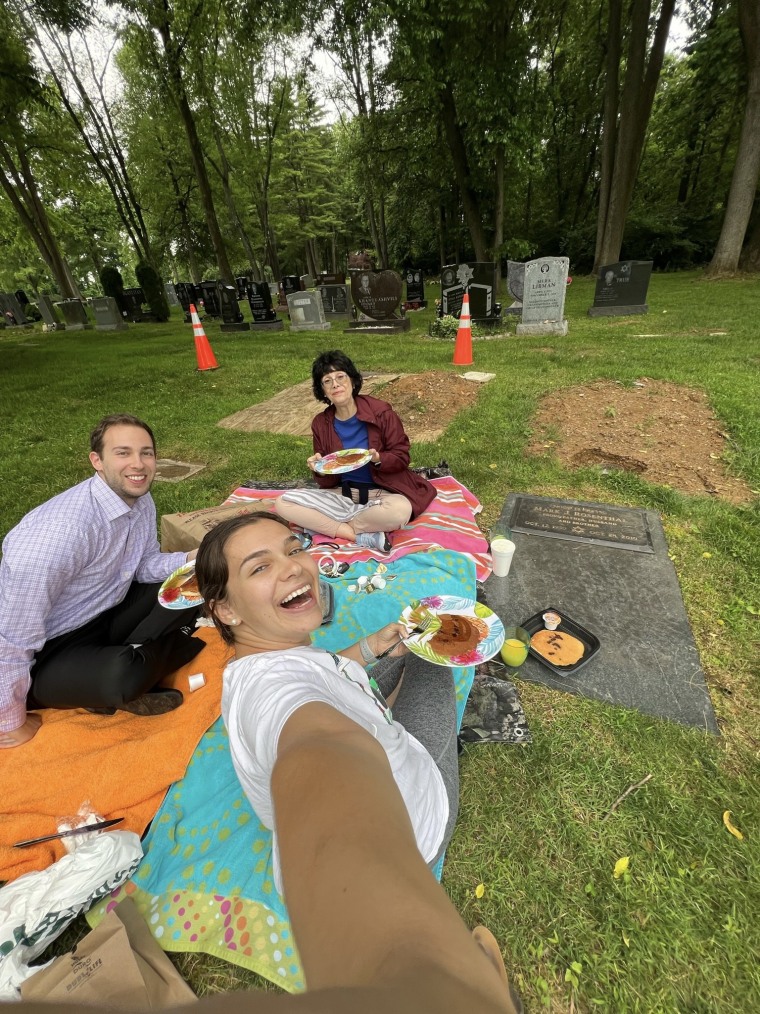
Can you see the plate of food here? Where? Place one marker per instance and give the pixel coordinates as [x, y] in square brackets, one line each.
[458, 631]
[558, 642]
[345, 460]
[180, 589]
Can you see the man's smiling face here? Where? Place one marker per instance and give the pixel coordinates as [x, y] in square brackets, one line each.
[127, 462]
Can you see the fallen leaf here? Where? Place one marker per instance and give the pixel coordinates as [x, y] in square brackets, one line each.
[621, 867]
[707, 556]
[493, 466]
[480, 890]
[730, 827]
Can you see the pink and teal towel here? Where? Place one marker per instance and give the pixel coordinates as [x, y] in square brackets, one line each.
[205, 883]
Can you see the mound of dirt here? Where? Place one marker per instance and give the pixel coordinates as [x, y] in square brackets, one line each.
[666, 433]
[428, 402]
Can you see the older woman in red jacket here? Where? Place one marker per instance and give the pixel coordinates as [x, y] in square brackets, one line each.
[394, 494]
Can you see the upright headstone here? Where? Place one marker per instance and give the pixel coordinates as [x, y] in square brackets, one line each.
[171, 294]
[50, 318]
[336, 299]
[307, 282]
[107, 316]
[260, 302]
[331, 278]
[74, 314]
[210, 296]
[544, 296]
[306, 312]
[187, 293]
[274, 290]
[377, 296]
[232, 318]
[515, 284]
[415, 290]
[621, 289]
[478, 279]
[290, 283]
[133, 301]
[16, 309]
[242, 286]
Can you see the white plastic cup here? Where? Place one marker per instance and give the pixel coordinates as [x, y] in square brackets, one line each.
[502, 551]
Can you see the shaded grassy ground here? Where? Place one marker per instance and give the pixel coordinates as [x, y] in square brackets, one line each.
[679, 931]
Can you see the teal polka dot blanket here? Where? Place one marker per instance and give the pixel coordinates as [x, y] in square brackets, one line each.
[205, 883]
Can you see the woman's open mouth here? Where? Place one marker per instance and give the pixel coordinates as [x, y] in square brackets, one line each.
[300, 598]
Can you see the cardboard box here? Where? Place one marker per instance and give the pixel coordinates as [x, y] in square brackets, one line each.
[183, 532]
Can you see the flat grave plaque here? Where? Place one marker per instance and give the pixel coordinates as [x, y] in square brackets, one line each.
[630, 601]
[599, 524]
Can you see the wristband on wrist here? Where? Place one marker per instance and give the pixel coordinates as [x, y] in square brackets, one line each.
[367, 653]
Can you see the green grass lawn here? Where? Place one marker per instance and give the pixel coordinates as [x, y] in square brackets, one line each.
[679, 931]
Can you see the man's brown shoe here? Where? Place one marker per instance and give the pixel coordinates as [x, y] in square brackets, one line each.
[158, 702]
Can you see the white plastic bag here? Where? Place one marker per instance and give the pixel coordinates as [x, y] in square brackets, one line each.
[37, 908]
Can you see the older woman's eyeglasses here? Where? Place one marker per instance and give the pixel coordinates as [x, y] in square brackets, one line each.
[335, 379]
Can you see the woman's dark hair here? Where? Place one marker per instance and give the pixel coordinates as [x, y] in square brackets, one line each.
[211, 564]
[333, 362]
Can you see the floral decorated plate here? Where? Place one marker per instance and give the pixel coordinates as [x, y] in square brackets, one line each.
[180, 589]
[460, 631]
[345, 460]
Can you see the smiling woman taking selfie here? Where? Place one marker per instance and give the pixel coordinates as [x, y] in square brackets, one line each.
[380, 495]
[361, 801]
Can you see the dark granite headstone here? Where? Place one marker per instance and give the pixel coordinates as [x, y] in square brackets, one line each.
[478, 279]
[242, 286]
[188, 293]
[336, 299]
[232, 318]
[74, 314]
[210, 296]
[107, 316]
[377, 296]
[260, 302]
[621, 289]
[415, 289]
[171, 294]
[630, 600]
[331, 278]
[290, 283]
[16, 308]
[50, 318]
[133, 303]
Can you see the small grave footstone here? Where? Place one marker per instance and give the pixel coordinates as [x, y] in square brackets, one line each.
[607, 568]
[260, 302]
[169, 470]
[544, 297]
[75, 315]
[306, 312]
[336, 299]
[515, 285]
[415, 290]
[107, 316]
[232, 318]
[621, 289]
[377, 297]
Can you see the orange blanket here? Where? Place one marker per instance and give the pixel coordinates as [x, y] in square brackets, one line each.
[123, 764]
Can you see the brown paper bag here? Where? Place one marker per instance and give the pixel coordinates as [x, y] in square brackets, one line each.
[183, 532]
[117, 964]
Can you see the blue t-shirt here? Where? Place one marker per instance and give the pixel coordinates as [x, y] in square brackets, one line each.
[353, 433]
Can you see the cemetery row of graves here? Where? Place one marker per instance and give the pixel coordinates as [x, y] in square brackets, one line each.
[370, 300]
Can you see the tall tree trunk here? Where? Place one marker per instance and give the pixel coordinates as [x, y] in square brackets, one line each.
[179, 94]
[747, 167]
[498, 217]
[626, 120]
[472, 213]
[21, 190]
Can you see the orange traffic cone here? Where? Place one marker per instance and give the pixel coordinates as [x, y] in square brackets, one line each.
[203, 353]
[463, 344]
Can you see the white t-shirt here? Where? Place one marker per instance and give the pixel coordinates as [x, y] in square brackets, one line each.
[262, 691]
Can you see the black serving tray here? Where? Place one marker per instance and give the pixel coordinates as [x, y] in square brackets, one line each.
[591, 642]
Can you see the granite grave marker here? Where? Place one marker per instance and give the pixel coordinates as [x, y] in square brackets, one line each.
[377, 297]
[630, 600]
[232, 318]
[50, 318]
[75, 315]
[621, 289]
[210, 296]
[336, 299]
[544, 296]
[107, 315]
[306, 312]
[478, 279]
[515, 285]
[260, 302]
[415, 289]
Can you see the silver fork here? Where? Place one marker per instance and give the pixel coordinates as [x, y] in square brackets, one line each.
[421, 628]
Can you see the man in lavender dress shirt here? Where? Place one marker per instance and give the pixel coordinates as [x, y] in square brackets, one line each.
[80, 624]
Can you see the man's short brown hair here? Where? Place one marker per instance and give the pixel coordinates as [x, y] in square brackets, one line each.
[119, 419]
